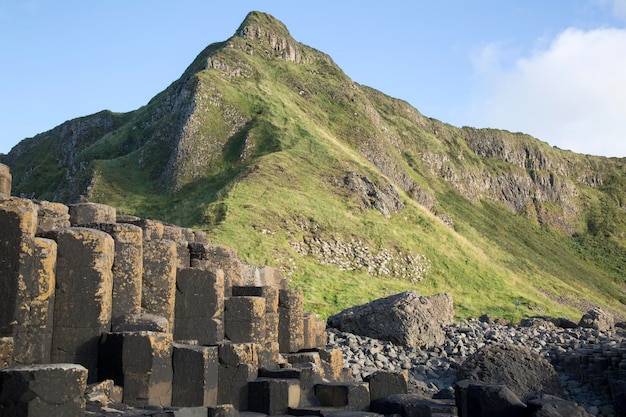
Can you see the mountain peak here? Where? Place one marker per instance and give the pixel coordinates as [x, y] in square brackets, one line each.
[271, 34]
[287, 161]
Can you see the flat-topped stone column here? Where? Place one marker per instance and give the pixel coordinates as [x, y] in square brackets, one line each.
[244, 319]
[51, 216]
[35, 306]
[238, 366]
[43, 390]
[18, 224]
[268, 349]
[27, 268]
[291, 321]
[152, 229]
[127, 267]
[85, 213]
[159, 279]
[147, 368]
[195, 375]
[213, 256]
[140, 362]
[5, 180]
[84, 283]
[199, 306]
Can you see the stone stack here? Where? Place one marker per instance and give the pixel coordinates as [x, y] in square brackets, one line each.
[156, 311]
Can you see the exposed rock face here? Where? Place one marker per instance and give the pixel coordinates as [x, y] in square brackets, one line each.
[597, 319]
[374, 152]
[383, 198]
[271, 36]
[525, 372]
[64, 143]
[548, 197]
[407, 319]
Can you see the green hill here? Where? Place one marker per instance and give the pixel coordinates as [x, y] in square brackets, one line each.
[266, 144]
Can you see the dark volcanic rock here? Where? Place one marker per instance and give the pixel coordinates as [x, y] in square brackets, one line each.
[525, 372]
[480, 399]
[551, 406]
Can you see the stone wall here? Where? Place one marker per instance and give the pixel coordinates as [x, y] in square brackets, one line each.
[154, 310]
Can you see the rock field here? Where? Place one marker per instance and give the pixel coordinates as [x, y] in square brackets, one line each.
[433, 371]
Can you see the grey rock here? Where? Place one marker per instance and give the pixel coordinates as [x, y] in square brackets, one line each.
[597, 319]
[407, 319]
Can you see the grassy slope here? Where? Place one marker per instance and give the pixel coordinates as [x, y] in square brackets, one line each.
[308, 123]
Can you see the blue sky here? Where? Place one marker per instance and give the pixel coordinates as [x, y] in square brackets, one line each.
[554, 69]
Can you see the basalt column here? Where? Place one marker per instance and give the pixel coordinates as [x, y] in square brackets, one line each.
[212, 256]
[27, 268]
[291, 321]
[35, 306]
[5, 180]
[84, 281]
[268, 349]
[127, 267]
[199, 306]
[159, 278]
[18, 224]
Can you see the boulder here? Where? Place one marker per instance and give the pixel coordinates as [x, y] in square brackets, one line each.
[525, 372]
[597, 319]
[407, 319]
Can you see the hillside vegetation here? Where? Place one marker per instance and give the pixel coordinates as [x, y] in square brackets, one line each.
[266, 144]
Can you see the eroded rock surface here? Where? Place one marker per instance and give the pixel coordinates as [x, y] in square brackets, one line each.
[407, 319]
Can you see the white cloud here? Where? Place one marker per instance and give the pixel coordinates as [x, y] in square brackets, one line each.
[571, 94]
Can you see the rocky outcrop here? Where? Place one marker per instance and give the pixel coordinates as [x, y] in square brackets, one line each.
[383, 198]
[548, 198]
[276, 42]
[597, 319]
[406, 319]
[56, 155]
